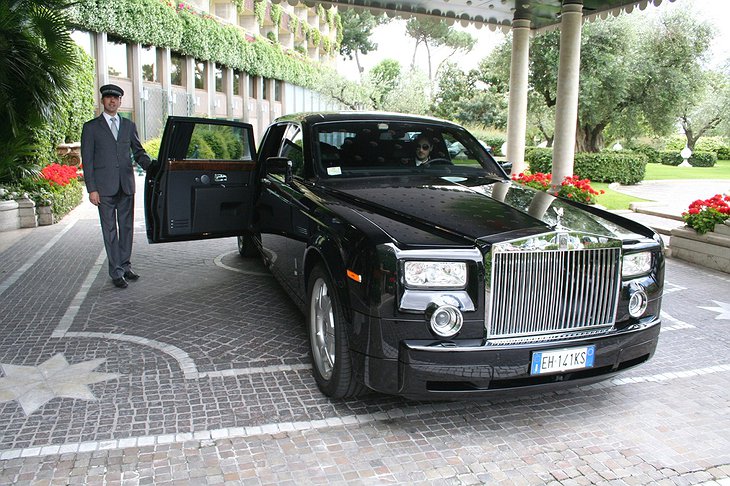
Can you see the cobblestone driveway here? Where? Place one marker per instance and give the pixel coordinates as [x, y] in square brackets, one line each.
[198, 374]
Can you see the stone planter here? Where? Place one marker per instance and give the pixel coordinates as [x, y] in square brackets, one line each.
[26, 213]
[9, 219]
[710, 250]
[45, 216]
[70, 153]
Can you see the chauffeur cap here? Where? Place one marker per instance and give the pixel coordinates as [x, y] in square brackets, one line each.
[111, 90]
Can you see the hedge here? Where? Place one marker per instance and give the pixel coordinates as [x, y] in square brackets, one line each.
[625, 167]
[718, 145]
[698, 159]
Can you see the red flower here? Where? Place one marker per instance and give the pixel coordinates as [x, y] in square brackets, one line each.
[59, 175]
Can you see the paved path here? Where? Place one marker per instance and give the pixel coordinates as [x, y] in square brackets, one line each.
[199, 374]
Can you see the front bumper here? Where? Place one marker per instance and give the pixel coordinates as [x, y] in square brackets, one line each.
[471, 368]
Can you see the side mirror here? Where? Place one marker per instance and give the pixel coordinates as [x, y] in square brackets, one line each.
[280, 166]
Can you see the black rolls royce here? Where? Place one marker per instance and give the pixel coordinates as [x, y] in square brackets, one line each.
[422, 272]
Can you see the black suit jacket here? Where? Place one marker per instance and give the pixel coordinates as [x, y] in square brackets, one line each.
[107, 163]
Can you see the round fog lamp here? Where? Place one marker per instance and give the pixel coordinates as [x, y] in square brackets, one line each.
[638, 303]
[445, 320]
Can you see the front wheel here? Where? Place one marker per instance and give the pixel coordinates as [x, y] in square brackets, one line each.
[331, 364]
[247, 246]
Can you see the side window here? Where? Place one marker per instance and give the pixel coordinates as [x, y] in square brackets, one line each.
[219, 142]
[292, 149]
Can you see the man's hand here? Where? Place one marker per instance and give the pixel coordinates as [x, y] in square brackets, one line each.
[94, 198]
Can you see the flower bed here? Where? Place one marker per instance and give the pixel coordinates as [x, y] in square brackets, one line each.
[706, 238]
[573, 187]
[703, 215]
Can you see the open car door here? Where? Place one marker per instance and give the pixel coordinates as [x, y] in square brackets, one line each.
[204, 182]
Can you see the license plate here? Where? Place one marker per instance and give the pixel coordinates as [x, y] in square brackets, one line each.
[561, 360]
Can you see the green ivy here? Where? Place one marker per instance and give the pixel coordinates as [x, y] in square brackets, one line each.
[275, 14]
[331, 18]
[72, 109]
[321, 12]
[259, 10]
[152, 22]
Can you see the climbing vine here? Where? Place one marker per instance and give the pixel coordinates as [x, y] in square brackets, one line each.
[184, 29]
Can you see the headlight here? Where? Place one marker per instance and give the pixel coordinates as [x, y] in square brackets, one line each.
[636, 264]
[435, 274]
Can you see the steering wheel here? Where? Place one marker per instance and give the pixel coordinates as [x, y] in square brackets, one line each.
[439, 161]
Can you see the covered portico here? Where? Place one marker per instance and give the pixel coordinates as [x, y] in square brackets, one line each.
[524, 18]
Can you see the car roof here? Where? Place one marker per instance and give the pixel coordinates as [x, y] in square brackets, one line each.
[337, 116]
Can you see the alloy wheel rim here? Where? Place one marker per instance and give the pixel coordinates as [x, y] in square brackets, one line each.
[322, 329]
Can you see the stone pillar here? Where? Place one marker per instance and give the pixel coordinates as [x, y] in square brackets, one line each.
[26, 213]
[245, 94]
[517, 116]
[566, 108]
[45, 215]
[102, 70]
[228, 90]
[166, 75]
[210, 87]
[137, 93]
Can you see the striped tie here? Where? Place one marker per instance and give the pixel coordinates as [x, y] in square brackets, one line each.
[115, 130]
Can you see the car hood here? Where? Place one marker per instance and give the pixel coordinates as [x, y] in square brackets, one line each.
[465, 210]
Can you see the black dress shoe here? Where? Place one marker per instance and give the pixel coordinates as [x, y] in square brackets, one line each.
[130, 275]
[120, 282]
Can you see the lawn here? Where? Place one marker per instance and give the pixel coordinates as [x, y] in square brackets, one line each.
[658, 172]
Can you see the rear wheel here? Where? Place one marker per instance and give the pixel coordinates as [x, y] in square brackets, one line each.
[331, 362]
[247, 246]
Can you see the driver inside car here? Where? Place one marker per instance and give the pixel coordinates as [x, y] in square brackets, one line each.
[423, 150]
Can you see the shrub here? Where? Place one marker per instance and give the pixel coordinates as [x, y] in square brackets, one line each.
[703, 159]
[651, 154]
[152, 147]
[624, 166]
[493, 138]
[702, 216]
[698, 159]
[670, 157]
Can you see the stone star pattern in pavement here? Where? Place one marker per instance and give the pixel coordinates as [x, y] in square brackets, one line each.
[34, 386]
[723, 309]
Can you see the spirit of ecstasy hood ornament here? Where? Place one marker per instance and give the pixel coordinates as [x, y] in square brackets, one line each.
[559, 222]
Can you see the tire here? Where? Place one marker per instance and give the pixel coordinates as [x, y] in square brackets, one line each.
[247, 247]
[331, 363]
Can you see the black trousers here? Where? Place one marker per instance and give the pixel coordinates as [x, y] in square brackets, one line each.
[117, 226]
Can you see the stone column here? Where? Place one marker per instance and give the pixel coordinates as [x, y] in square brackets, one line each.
[137, 90]
[102, 70]
[210, 88]
[228, 90]
[517, 116]
[245, 94]
[566, 108]
[166, 75]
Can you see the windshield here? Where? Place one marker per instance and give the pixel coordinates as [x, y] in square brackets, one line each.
[383, 148]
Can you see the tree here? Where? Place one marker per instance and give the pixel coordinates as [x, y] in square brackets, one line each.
[704, 112]
[433, 32]
[357, 28]
[37, 59]
[463, 97]
[383, 79]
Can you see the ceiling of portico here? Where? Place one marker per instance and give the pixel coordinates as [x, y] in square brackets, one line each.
[543, 14]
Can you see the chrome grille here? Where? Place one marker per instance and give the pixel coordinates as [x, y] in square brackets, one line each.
[541, 295]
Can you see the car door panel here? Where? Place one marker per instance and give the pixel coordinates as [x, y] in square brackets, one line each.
[204, 185]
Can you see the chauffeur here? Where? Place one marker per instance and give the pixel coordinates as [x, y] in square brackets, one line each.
[108, 143]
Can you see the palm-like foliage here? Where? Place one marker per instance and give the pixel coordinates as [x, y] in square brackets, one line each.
[37, 56]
